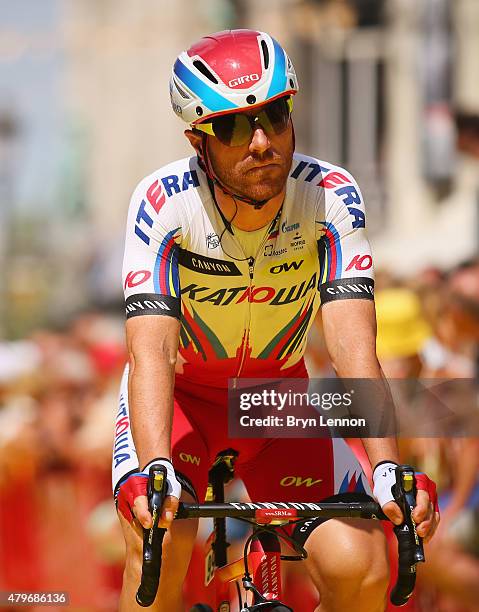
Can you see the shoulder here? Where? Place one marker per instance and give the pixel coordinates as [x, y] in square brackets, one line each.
[319, 173]
[333, 189]
[168, 181]
[164, 201]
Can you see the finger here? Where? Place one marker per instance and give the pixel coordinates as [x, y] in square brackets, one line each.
[393, 512]
[420, 512]
[434, 524]
[424, 527]
[140, 510]
[170, 507]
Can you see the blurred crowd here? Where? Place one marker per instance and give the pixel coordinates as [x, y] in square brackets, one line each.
[58, 395]
[58, 527]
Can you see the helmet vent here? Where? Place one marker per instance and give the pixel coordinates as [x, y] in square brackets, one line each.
[182, 93]
[204, 70]
[264, 48]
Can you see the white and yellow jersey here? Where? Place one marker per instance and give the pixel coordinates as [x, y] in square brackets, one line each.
[244, 316]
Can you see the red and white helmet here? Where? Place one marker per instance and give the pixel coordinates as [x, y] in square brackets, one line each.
[230, 71]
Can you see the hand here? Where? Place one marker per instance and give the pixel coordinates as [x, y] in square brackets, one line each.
[426, 512]
[132, 499]
[168, 511]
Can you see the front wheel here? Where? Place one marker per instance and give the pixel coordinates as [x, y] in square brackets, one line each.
[201, 608]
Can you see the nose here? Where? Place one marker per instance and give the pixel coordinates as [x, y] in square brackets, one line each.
[259, 141]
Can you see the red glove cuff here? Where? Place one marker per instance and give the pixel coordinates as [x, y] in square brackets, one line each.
[424, 483]
[134, 486]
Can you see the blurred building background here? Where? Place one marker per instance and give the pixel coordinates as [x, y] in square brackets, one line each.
[85, 114]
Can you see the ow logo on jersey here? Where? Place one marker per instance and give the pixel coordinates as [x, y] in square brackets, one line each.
[187, 458]
[299, 481]
[156, 197]
[285, 267]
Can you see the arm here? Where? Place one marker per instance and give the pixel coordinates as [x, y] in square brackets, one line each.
[353, 354]
[350, 333]
[152, 343]
[152, 346]
[349, 320]
[151, 284]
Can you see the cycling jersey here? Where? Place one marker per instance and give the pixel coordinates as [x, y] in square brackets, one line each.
[244, 316]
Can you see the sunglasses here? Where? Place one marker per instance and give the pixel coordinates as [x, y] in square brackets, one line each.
[236, 129]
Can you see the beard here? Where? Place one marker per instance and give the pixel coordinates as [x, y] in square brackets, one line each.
[257, 177]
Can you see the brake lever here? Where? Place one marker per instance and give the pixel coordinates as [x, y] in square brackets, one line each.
[410, 547]
[153, 537]
[405, 492]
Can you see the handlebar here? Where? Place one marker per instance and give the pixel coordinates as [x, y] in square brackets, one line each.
[410, 548]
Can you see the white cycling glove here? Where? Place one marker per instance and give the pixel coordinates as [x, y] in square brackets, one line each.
[384, 477]
[173, 487]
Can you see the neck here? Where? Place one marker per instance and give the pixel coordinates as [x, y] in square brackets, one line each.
[248, 218]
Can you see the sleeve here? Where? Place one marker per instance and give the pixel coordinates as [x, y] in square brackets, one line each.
[346, 264]
[150, 264]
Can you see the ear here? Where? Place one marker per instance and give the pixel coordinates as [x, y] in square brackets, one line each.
[195, 140]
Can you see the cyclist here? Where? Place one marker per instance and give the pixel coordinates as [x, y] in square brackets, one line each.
[228, 256]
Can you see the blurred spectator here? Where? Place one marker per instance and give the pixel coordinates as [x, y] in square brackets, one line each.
[402, 332]
[453, 352]
[58, 396]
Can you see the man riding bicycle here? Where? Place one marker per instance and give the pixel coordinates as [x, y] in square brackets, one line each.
[228, 256]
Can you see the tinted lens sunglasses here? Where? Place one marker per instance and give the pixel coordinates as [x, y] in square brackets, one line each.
[236, 129]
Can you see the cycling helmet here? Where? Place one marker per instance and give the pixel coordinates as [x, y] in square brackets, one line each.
[230, 71]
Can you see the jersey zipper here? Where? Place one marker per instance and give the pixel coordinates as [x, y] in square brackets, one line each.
[251, 264]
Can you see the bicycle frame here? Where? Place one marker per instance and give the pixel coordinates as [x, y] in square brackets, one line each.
[265, 568]
[264, 563]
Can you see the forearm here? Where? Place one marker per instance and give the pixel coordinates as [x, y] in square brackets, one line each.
[367, 366]
[152, 347]
[354, 356]
[377, 397]
[150, 389]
